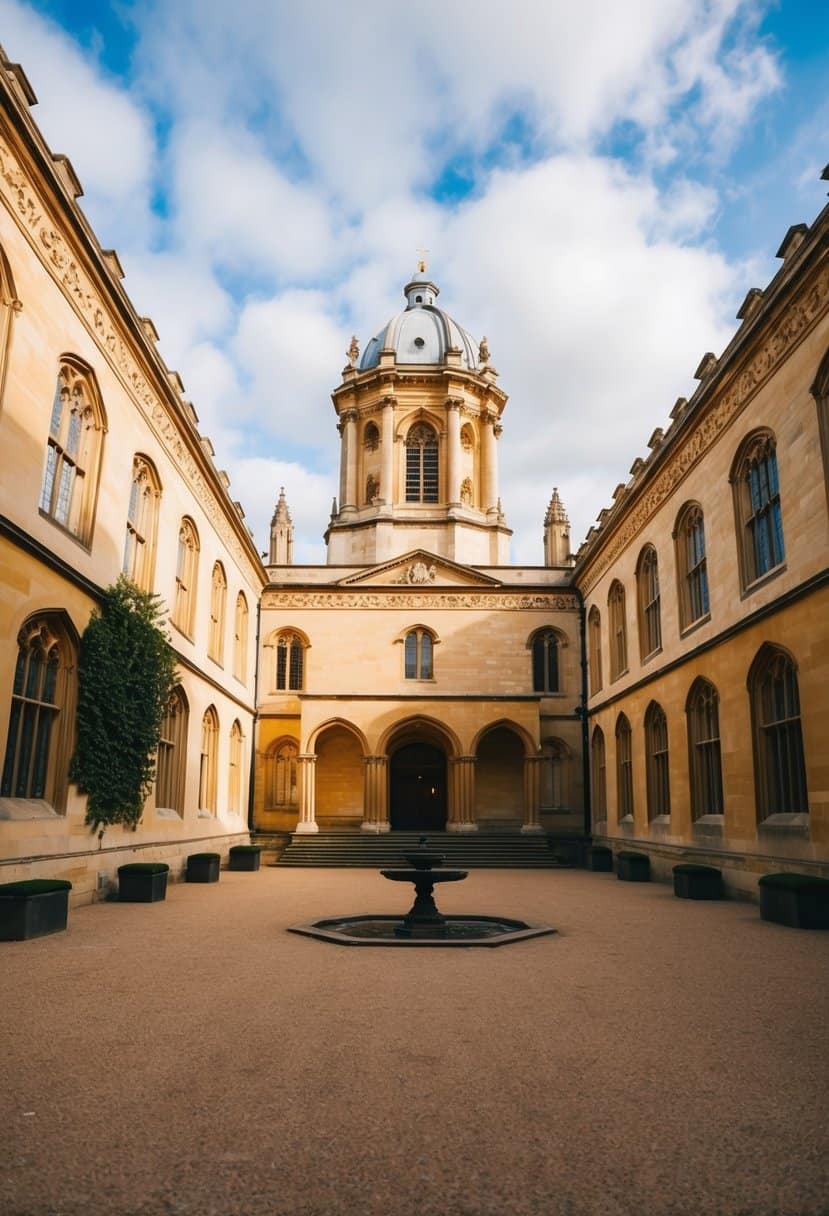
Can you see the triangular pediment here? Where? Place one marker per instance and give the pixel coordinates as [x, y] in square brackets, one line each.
[420, 568]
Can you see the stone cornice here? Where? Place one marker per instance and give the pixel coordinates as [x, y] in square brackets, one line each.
[491, 601]
[41, 229]
[703, 428]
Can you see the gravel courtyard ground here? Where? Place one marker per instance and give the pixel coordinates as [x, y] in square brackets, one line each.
[192, 1058]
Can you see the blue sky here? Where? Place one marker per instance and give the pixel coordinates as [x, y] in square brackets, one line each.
[598, 186]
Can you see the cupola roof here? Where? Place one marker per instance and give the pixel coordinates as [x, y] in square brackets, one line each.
[422, 332]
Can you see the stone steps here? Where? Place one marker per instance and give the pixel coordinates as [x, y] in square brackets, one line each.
[476, 850]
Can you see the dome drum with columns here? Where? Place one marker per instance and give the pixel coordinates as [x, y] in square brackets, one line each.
[419, 419]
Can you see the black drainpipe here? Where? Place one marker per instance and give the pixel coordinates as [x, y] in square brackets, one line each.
[252, 777]
[582, 713]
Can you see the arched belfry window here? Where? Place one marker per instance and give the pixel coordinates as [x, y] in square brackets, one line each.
[421, 464]
[545, 654]
[371, 437]
[73, 451]
[757, 507]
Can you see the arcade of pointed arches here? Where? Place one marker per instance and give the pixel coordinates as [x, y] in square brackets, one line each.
[418, 776]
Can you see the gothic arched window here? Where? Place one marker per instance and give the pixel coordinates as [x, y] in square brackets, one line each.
[234, 778]
[691, 565]
[73, 450]
[142, 524]
[218, 598]
[757, 507]
[208, 760]
[281, 777]
[647, 586]
[624, 769]
[41, 718]
[618, 630]
[171, 759]
[9, 305]
[545, 650]
[421, 464]
[779, 763]
[656, 761]
[240, 638]
[187, 567]
[290, 662]
[704, 761]
[418, 649]
[594, 649]
[598, 775]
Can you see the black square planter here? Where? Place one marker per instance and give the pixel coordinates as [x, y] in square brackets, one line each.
[244, 857]
[203, 867]
[797, 900]
[633, 867]
[600, 858]
[142, 882]
[33, 908]
[697, 882]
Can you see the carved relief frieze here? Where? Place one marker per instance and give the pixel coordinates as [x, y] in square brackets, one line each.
[58, 255]
[491, 601]
[792, 326]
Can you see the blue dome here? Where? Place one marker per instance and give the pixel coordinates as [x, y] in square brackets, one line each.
[422, 333]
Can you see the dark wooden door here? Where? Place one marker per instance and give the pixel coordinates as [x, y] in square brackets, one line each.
[417, 789]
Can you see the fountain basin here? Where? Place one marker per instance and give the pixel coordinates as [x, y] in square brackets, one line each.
[381, 930]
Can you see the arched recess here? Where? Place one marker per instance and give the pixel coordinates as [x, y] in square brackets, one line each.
[281, 777]
[820, 392]
[419, 749]
[339, 777]
[556, 775]
[500, 751]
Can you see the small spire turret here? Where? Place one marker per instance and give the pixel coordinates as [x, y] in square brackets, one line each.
[557, 533]
[282, 534]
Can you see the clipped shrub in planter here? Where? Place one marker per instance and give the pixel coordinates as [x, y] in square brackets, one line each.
[600, 857]
[697, 882]
[203, 867]
[800, 901]
[142, 882]
[33, 908]
[633, 867]
[244, 857]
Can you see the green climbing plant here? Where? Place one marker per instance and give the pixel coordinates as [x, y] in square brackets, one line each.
[126, 675]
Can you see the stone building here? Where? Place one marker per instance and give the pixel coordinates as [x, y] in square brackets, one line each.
[104, 471]
[418, 681]
[707, 605]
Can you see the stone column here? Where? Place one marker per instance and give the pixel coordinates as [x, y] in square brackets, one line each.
[348, 476]
[453, 453]
[306, 780]
[532, 794]
[375, 794]
[387, 461]
[489, 432]
[462, 801]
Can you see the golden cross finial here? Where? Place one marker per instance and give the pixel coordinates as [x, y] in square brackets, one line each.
[421, 262]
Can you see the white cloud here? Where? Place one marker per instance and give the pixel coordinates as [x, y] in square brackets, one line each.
[105, 134]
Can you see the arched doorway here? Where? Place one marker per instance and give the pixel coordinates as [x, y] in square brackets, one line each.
[417, 789]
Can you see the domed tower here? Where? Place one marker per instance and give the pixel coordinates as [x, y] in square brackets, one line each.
[419, 419]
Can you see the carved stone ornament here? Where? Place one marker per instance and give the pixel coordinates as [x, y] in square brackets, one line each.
[491, 601]
[353, 352]
[466, 491]
[57, 254]
[419, 572]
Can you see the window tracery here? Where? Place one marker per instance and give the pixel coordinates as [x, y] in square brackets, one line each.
[421, 464]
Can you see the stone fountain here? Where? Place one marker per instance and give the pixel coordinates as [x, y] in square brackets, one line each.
[423, 924]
